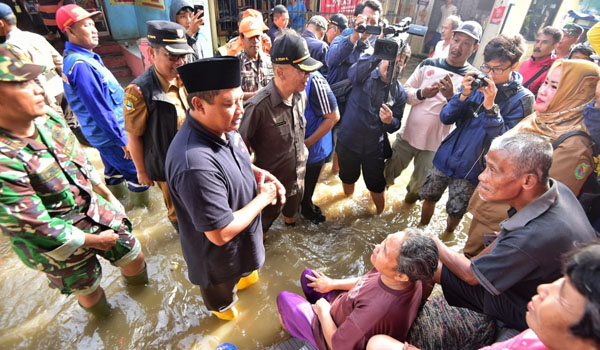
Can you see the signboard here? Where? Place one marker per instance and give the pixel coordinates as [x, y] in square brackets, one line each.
[497, 15]
[155, 4]
[338, 6]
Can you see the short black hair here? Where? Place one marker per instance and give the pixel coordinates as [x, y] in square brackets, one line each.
[279, 10]
[208, 96]
[375, 5]
[417, 256]
[583, 49]
[582, 266]
[504, 48]
[555, 33]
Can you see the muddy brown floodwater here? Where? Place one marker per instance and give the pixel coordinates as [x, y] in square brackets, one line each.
[169, 312]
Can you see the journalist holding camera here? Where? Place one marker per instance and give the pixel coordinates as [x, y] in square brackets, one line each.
[346, 48]
[487, 106]
[371, 114]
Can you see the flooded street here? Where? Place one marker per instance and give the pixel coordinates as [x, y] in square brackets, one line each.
[169, 312]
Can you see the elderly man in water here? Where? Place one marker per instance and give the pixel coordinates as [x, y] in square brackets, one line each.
[545, 220]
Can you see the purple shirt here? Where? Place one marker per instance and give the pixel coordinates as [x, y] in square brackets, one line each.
[368, 309]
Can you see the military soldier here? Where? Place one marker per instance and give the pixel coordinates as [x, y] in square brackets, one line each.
[58, 214]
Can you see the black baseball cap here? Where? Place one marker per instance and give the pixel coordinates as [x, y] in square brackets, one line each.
[339, 20]
[169, 35]
[292, 49]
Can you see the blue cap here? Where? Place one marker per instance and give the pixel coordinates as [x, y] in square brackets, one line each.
[5, 10]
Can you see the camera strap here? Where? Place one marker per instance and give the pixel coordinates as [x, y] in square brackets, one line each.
[533, 78]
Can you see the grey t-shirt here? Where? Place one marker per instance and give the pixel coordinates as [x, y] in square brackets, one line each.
[528, 250]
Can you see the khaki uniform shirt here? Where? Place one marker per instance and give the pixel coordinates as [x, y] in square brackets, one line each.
[136, 112]
[274, 129]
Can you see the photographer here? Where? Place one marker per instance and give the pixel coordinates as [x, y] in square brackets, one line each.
[486, 107]
[191, 17]
[362, 136]
[429, 87]
[347, 48]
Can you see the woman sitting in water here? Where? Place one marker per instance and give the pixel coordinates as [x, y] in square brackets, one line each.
[559, 108]
[563, 315]
[344, 314]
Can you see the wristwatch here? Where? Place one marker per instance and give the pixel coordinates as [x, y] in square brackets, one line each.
[493, 111]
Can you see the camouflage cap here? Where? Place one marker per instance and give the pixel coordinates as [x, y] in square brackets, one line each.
[15, 66]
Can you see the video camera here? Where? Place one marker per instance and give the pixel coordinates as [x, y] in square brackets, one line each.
[391, 45]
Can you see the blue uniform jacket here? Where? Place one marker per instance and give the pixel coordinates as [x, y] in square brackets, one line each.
[95, 96]
[361, 129]
[317, 48]
[461, 154]
[591, 118]
[342, 54]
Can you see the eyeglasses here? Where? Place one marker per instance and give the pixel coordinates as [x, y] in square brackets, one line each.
[301, 71]
[173, 58]
[496, 70]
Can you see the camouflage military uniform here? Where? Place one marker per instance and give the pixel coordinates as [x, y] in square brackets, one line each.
[47, 205]
[255, 77]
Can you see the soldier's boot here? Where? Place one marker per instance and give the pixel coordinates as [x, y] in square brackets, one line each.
[140, 279]
[140, 199]
[247, 281]
[101, 309]
[119, 191]
[228, 314]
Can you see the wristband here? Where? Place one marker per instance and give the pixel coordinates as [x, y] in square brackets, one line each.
[419, 96]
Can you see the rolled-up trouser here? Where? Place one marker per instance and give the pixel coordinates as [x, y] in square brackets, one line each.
[81, 273]
[402, 154]
[118, 169]
[459, 192]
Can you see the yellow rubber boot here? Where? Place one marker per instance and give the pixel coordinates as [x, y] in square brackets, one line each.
[228, 314]
[247, 281]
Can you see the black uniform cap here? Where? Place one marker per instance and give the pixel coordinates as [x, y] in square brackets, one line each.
[215, 73]
[339, 20]
[292, 49]
[169, 35]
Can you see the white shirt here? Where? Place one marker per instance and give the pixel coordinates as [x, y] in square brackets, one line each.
[447, 10]
[441, 51]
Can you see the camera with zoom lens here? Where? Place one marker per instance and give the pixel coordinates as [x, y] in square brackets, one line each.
[478, 81]
[395, 38]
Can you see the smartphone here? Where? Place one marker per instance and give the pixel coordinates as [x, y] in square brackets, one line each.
[199, 8]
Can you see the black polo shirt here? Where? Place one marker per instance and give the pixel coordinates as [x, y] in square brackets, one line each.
[209, 179]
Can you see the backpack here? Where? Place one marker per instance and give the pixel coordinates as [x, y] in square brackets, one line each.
[589, 197]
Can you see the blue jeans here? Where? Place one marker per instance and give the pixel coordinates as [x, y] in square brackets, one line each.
[118, 169]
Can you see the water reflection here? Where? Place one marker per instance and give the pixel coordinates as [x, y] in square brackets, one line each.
[169, 313]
